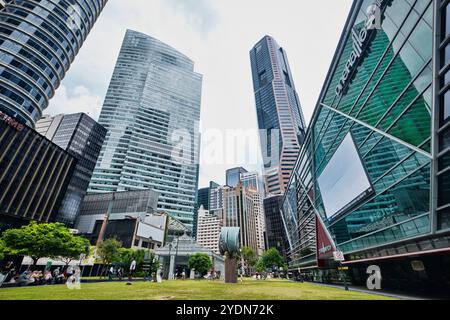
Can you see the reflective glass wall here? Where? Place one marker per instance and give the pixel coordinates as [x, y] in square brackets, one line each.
[379, 91]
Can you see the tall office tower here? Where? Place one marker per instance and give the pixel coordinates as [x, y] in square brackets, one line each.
[203, 199]
[260, 221]
[38, 42]
[251, 180]
[280, 118]
[152, 113]
[216, 198]
[208, 229]
[238, 211]
[233, 176]
[251, 183]
[34, 175]
[83, 138]
[275, 232]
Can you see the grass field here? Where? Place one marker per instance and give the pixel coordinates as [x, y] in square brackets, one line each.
[187, 290]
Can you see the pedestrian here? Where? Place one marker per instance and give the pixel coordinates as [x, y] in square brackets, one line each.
[110, 273]
[183, 275]
[119, 273]
[132, 269]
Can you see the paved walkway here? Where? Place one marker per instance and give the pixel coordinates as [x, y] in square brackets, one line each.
[387, 293]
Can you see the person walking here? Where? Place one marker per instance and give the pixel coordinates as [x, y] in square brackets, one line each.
[132, 270]
[110, 273]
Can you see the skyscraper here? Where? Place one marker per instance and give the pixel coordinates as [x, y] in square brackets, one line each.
[152, 113]
[34, 175]
[38, 42]
[239, 211]
[280, 117]
[83, 138]
[233, 176]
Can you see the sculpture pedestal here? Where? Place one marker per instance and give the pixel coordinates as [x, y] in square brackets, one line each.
[231, 270]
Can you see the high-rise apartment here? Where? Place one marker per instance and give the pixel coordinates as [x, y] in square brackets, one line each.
[83, 138]
[280, 118]
[38, 42]
[152, 113]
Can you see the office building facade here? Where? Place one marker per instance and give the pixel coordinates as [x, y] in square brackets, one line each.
[152, 113]
[372, 180]
[38, 42]
[233, 176]
[208, 230]
[280, 118]
[275, 231]
[216, 198]
[83, 138]
[34, 175]
[115, 206]
[238, 211]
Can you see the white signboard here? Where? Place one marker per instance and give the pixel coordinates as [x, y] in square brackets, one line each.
[338, 256]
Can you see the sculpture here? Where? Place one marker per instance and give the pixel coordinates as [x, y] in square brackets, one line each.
[229, 245]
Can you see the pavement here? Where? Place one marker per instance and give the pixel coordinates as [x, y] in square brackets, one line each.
[386, 293]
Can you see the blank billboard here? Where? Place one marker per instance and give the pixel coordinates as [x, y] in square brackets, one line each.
[344, 180]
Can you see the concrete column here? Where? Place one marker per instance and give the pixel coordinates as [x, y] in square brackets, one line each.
[172, 267]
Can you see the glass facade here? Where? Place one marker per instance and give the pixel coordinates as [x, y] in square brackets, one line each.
[83, 138]
[34, 173]
[233, 176]
[443, 115]
[38, 42]
[280, 118]
[152, 114]
[275, 232]
[384, 100]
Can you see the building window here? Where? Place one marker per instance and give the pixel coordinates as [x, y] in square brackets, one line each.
[444, 220]
[445, 140]
[446, 107]
[444, 189]
[447, 21]
[136, 243]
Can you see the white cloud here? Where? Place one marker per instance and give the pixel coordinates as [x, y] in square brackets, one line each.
[73, 100]
[217, 35]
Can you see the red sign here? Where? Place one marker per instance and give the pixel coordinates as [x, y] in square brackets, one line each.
[325, 246]
[11, 122]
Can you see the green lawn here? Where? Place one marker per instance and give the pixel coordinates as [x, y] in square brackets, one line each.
[186, 290]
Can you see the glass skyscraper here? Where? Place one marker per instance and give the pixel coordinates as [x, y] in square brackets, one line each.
[83, 138]
[38, 42]
[280, 117]
[372, 178]
[152, 113]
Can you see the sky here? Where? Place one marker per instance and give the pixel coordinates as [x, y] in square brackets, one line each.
[217, 35]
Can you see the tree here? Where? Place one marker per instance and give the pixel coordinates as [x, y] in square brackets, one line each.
[271, 258]
[201, 262]
[109, 251]
[128, 255]
[2, 250]
[249, 256]
[74, 247]
[47, 240]
[151, 263]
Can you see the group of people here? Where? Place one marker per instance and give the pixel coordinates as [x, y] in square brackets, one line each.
[119, 272]
[10, 275]
[212, 275]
